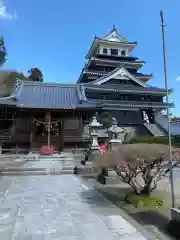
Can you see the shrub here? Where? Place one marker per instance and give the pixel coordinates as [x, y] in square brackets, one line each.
[144, 201]
[142, 166]
[106, 119]
[159, 140]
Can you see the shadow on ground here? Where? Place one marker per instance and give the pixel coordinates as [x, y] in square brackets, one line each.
[151, 217]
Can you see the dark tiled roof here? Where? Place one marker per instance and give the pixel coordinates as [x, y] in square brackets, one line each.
[142, 75]
[5, 101]
[121, 60]
[46, 96]
[114, 57]
[124, 88]
[112, 103]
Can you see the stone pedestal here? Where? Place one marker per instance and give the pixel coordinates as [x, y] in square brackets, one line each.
[114, 143]
[94, 144]
[93, 153]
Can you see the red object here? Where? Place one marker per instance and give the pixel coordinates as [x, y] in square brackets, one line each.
[47, 150]
[103, 148]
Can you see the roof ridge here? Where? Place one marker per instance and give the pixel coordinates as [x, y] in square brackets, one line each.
[125, 43]
[48, 84]
[107, 75]
[114, 29]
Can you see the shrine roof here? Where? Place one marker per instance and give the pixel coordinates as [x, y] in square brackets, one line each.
[46, 96]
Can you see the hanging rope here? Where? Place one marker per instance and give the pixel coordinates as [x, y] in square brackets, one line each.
[46, 122]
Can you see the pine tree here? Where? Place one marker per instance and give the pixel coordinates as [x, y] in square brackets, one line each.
[35, 74]
[3, 52]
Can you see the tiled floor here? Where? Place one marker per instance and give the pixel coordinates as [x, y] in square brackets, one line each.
[58, 207]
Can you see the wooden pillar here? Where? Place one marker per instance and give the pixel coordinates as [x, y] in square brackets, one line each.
[62, 136]
[48, 124]
[32, 133]
[30, 140]
[49, 129]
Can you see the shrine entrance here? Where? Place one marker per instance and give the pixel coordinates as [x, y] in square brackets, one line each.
[49, 134]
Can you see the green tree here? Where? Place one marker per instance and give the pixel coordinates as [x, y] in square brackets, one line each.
[105, 118]
[8, 80]
[18, 75]
[3, 52]
[35, 74]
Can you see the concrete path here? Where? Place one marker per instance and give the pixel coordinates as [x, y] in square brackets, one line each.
[60, 208]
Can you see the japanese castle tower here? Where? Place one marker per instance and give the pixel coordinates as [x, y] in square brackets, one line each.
[111, 78]
[109, 82]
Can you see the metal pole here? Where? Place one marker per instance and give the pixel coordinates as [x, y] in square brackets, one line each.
[168, 112]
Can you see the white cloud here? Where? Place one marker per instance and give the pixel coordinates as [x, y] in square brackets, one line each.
[178, 79]
[5, 14]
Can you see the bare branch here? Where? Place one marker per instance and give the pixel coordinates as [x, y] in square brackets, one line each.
[142, 166]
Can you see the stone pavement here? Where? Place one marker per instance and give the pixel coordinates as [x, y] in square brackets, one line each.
[58, 207]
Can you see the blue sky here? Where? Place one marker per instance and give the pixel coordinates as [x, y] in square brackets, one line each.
[55, 35]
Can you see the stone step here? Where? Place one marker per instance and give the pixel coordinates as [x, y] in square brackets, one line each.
[13, 164]
[29, 173]
[112, 180]
[22, 169]
[58, 156]
[87, 171]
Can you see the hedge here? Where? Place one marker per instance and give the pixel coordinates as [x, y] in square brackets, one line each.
[160, 140]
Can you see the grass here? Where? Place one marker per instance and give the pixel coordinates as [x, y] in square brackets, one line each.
[151, 202]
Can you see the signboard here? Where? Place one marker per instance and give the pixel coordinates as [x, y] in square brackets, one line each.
[45, 149]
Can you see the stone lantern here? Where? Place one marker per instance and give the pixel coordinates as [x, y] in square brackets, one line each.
[94, 126]
[116, 134]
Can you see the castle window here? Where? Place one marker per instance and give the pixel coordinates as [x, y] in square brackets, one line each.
[103, 97]
[123, 97]
[124, 113]
[114, 52]
[105, 51]
[149, 98]
[123, 53]
[143, 98]
[124, 82]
